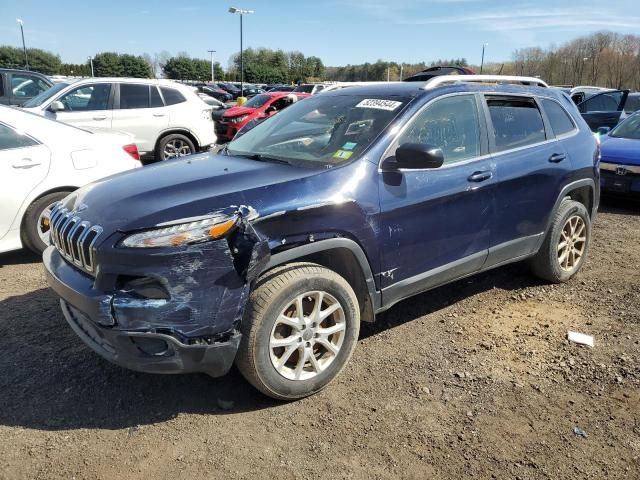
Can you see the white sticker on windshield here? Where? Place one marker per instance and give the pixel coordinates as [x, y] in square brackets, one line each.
[389, 105]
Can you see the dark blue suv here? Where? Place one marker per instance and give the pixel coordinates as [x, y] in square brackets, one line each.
[270, 252]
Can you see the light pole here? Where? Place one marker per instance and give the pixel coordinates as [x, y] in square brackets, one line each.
[241, 12]
[482, 61]
[213, 75]
[24, 48]
[91, 62]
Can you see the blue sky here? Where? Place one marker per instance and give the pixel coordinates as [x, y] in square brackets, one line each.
[338, 31]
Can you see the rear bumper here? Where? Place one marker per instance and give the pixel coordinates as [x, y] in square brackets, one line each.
[149, 335]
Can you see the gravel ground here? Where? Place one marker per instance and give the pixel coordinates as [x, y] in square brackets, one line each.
[474, 380]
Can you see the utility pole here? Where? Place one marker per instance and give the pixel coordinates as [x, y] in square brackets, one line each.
[388, 67]
[241, 12]
[24, 47]
[482, 61]
[401, 66]
[91, 61]
[213, 75]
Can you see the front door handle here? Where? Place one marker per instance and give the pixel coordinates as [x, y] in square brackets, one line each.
[480, 176]
[24, 163]
[100, 117]
[557, 157]
[159, 115]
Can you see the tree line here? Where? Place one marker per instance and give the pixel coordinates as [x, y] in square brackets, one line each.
[605, 59]
[382, 70]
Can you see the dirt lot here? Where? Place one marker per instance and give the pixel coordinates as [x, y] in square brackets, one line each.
[473, 380]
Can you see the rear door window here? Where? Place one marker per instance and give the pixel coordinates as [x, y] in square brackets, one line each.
[156, 99]
[559, 119]
[602, 102]
[633, 103]
[517, 122]
[134, 96]
[172, 96]
[10, 139]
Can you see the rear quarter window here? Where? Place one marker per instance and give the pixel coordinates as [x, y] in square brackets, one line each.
[172, 96]
[559, 119]
[517, 122]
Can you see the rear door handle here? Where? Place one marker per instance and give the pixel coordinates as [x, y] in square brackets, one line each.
[480, 176]
[100, 117]
[159, 115]
[24, 163]
[557, 157]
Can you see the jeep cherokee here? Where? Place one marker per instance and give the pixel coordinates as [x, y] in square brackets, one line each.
[270, 252]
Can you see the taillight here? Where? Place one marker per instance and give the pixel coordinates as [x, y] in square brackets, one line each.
[132, 150]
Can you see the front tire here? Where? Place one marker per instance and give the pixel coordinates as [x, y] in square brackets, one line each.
[35, 225]
[299, 331]
[173, 146]
[565, 247]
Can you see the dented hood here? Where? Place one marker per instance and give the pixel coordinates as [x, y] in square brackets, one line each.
[182, 188]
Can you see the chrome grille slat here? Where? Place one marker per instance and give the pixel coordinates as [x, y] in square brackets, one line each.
[74, 238]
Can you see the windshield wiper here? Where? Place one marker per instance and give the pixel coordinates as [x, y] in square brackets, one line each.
[262, 158]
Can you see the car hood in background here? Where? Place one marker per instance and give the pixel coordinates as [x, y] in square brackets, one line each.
[620, 150]
[236, 111]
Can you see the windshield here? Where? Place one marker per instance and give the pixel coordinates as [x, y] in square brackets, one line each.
[630, 128]
[257, 101]
[327, 129]
[304, 88]
[44, 96]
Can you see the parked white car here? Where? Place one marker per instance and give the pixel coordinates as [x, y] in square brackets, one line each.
[166, 118]
[41, 162]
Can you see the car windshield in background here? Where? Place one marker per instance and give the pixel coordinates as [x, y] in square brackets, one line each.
[44, 96]
[630, 128]
[257, 101]
[327, 129]
[303, 89]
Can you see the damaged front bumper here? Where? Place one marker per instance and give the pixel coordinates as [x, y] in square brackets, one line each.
[169, 311]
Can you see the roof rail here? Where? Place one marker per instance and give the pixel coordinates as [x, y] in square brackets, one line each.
[444, 79]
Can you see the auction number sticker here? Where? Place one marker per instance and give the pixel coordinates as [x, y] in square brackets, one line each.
[389, 105]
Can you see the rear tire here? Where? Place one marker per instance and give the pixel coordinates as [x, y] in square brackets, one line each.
[174, 145]
[35, 224]
[565, 247]
[297, 306]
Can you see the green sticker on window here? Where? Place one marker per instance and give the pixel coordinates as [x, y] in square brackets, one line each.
[342, 154]
[349, 146]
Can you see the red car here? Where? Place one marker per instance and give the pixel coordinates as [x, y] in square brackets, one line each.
[261, 106]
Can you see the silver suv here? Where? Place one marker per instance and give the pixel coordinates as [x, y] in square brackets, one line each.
[166, 119]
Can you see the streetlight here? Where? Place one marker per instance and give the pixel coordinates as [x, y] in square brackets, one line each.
[213, 75]
[241, 12]
[91, 61]
[24, 48]
[482, 61]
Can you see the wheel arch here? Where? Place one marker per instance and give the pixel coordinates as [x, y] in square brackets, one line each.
[26, 205]
[343, 256]
[583, 191]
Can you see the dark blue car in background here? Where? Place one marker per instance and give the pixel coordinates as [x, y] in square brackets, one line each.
[620, 164]
[271, 252]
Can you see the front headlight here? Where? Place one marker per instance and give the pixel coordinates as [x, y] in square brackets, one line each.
[201, 230]
[238, 119]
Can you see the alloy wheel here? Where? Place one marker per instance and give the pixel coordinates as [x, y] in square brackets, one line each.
[44, 224]
[307, 335]
[573, 240]
[176, 148]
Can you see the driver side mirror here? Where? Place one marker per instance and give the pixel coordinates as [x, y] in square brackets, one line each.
[417, 156]
[56, 106]
[269, 110]
[603, 130]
